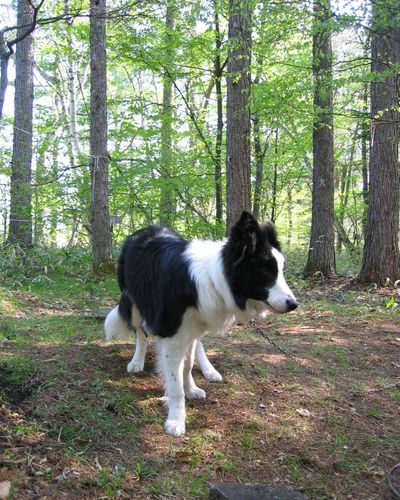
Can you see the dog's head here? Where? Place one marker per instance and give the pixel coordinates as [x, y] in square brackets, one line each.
[254, 266]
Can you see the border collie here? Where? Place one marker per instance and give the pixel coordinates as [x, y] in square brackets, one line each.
[181, 290]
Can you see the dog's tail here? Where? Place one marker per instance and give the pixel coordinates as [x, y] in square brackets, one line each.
[117, 324]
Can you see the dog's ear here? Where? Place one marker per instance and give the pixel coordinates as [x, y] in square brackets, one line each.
[269, 232]
[244, 237]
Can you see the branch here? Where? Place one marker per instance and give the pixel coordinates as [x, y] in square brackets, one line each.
[30, 30]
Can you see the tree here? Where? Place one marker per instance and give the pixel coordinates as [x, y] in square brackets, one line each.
[168, 201]
[321, 254]
[218, 69]
[100, 219]
[20, 227]
[381, 258]
[238, 171]
[188, 138]
[259, 149]
[7, 48]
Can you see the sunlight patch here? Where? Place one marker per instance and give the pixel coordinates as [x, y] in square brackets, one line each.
[7, 306]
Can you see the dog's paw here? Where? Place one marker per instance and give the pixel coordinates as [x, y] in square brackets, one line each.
[174, 427]
[195, 392]
[135, 366]
[212, 375]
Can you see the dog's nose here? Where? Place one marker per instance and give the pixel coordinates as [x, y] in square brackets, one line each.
[292, 304]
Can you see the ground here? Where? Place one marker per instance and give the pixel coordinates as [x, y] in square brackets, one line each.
[323, 419]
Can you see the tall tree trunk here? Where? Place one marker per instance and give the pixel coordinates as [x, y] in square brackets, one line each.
[345, 183]
[168, 198]
[290, 215]
[54, 209]
[238, 168]
[260, 150]
[365, 135]
[220, 118]
[20, 227]
[259, 159]
[381, 249]
[275, 178]
[71, 85]
[321, 255]
[4, 60]
[100, 218]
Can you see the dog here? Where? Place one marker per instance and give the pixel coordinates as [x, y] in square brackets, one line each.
[180, 290]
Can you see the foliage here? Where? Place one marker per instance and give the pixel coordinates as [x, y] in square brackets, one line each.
[137, 63]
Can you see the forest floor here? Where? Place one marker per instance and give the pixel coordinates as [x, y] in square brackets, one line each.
[74, 424]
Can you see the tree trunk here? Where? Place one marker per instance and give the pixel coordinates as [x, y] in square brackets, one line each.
[168, 198]
[275, 178]
[321, 255]
[100, 219]
[20, 227]
[220, 119]
[238, 189]
[365, 136]
[71, 85]
[259, 159]
[4, 60]
[345, 183]
[381, 249]
[290, 215]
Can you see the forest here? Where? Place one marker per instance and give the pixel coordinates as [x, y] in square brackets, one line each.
[118, 114]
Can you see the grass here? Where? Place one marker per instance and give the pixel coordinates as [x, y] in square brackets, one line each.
[75, 424]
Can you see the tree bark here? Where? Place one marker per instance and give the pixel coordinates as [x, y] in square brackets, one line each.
[345, 184]
[220, 119]
[365, 136]
[321, 254]
[20, 227]
[381, 249]
[260, 150]
[259, 159]
[238, 189]
[168, 197]
[4, 60]
[100, 219]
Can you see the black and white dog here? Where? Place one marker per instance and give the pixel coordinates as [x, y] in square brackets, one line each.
[181, 290]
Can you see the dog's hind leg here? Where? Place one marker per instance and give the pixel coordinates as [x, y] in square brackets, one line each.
[207, 369]
[137, 362]
[191, 389]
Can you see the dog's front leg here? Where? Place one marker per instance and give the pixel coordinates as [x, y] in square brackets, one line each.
[191, 389]
[171, 358]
